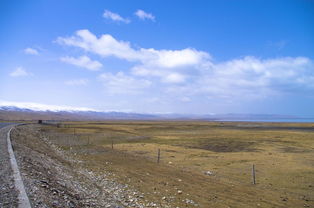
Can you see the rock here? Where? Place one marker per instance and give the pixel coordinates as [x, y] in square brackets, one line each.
[190, 201]
[209, 173]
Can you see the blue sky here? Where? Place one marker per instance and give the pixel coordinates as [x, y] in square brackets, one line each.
[193, 57]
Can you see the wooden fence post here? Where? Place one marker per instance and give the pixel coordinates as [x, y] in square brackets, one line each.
[158, 156]
[253, 174]
[111, 144]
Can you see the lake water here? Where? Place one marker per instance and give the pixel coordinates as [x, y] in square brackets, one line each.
[287, 120]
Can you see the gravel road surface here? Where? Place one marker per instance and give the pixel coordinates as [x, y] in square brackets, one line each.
[8, 194]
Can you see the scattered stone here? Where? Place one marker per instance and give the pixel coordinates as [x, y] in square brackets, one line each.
[209, 173]
[52, 182]
[190, 201]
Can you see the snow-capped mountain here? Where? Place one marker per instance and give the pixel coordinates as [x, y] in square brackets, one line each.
[34, 111]
[26, 106]
[30, 111]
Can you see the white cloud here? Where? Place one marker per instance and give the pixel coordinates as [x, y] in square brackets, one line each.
[253, 78]
[174, 78]
[190, 72]
[82, 61]
[76, 82]
[152, 62]
[115, 17]
[19, 72]
[121, 83]
[106, 46]
[174, 58]
[144, 15]
[259, 72]
[31, 51]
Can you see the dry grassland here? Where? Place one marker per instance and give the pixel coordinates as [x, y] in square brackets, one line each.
[283, 154]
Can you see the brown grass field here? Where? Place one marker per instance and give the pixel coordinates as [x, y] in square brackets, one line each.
[283, 154]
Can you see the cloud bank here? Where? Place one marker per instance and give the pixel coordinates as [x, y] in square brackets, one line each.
[189, 72]
[121, 83]
[82, 61]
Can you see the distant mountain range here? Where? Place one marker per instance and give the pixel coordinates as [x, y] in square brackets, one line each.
[16, 113]
[76, 114]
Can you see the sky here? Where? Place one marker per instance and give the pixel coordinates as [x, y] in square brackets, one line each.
[149, 56]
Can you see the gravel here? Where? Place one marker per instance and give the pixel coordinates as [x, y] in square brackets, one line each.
[54, 179]
[8, 194]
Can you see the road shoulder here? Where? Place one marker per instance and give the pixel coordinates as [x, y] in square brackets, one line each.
[8, 194]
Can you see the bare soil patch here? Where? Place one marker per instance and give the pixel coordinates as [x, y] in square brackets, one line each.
[224, 145]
